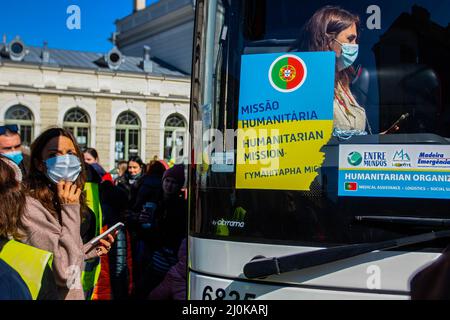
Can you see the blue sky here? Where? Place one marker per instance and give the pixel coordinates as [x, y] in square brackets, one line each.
[37, 21]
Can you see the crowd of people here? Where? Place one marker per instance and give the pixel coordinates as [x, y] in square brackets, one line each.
[55, 200]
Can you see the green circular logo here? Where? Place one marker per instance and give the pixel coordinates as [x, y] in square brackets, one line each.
[354, 158]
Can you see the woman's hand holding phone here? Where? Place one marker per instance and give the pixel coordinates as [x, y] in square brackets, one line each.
[105, 245]
[104, 241]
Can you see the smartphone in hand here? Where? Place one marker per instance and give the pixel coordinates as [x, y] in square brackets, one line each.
[104, 235]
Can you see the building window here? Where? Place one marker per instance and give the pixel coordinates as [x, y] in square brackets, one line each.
[128, 136]
[77, 121]
[175, 138]
[23, 117]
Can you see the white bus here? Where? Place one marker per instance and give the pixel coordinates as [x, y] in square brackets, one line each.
[346, 212]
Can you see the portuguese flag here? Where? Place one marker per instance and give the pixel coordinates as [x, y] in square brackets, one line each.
[351, 186]
[288, 73]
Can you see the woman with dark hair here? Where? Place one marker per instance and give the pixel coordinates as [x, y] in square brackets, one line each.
[131, 180]
[55, 205]
[335, 29]
[91, 158]
[90, 155]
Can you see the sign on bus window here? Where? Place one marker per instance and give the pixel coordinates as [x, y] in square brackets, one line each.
[285, 118]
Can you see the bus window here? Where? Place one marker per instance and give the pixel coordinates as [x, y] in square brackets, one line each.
[400, 79]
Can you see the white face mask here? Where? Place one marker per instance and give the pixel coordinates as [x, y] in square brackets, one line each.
[67, 168]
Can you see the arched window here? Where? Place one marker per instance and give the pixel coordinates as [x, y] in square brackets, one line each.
[175, 138]
[175, 121]
[128, 136]
[23, 117]
[77, 121]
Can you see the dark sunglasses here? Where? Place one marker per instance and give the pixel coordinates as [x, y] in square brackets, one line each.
[14, 128]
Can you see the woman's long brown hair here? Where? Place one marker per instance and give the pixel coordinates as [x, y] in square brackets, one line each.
[322, 28]
[39, 186]
[12, 201]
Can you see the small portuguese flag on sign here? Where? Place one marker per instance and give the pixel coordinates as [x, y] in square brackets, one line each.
[288, 73]
[351, 186]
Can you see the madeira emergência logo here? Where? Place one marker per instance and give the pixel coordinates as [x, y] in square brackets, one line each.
[287, 73]
[354, 158]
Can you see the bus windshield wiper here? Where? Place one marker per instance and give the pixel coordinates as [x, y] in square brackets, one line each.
[414, 221]
[264, 267]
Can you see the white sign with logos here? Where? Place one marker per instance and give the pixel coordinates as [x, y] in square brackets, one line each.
[395, 171]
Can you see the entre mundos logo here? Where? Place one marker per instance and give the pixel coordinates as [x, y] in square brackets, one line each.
[354, 158]
[287, 73]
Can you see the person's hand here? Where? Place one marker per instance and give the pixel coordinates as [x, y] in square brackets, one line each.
[105, 244]
[68, 192]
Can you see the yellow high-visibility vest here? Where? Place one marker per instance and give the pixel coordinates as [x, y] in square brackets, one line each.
[29, 262]
[89, 276]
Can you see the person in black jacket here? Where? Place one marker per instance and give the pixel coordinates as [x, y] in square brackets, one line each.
[169, 228]
[150, 188]
[141, 217]
[114, 204]
[131, 180]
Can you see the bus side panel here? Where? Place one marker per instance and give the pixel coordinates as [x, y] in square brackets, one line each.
[212, 288]
[379, 272]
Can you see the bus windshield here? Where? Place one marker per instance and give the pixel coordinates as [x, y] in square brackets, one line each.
[364, 132]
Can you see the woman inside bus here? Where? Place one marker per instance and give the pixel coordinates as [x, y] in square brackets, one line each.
[335, 29]
[54, 208]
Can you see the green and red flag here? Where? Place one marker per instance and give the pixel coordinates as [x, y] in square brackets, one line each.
[351, 186]
[287, 73]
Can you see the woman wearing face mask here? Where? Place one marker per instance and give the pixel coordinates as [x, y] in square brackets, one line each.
[131, 180]
[336, 29]
[55, 204]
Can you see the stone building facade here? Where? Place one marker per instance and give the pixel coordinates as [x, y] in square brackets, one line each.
[120, 105]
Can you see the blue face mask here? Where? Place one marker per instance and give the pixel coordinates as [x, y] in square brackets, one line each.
[15, 156]
[67, 168]
[348, 55]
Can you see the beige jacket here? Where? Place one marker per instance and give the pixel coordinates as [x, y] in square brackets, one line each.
[42, 230]
[355, 118]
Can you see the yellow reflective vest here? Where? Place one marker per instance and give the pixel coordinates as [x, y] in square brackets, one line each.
[91, 272]
[29, 262]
